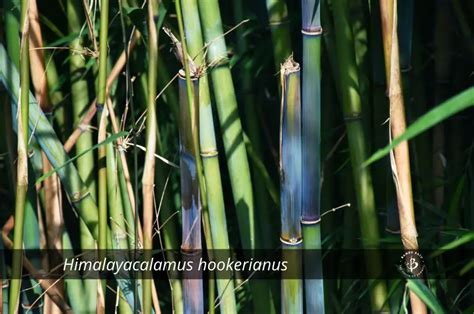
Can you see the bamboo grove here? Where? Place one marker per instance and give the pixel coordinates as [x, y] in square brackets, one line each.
[334, 135]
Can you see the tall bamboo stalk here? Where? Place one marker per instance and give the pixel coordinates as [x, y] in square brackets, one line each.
[22, 160]
[264, 300]
[148, 178]
[80, 99]
[311, 148]
[102, 150]
[400, 157]
[80, 94]
[229, 119]
[352, 109]
[208, 150]
[190, 192]
[290, 176]
[269, 230]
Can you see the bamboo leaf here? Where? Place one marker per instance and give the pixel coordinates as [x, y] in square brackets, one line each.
[425, 294]
[445, 110]
[466, 238]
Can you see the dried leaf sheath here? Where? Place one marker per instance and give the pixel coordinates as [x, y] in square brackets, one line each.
[290, 175]
[190, 193]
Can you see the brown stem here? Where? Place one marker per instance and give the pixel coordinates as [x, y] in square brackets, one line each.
[400, 158]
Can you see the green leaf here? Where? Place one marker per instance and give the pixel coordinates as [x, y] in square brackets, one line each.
[110, 139]
[466, 238]
[425, 294]
[445, 110]
[63, 41]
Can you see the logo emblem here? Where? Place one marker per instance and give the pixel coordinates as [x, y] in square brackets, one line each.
[412, 264]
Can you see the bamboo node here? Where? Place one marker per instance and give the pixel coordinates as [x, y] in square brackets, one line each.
[392, 231]
[79, 196]
[317, 31]
[291, 242]
[209, 153]
[310, 222]
[351, 117]
[278, 23]
[190, 252]
[29, 307]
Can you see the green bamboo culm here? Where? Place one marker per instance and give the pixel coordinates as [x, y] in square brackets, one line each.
[311, 151]
[352, 110]
[80, 103]
[117, 216]
[229, 120]
[101, 99]
[80, 94]
[208, 150]
[254, 142]
[190, 193]
[280, 30]
[290, 177]
[148, 178]
[22, 161]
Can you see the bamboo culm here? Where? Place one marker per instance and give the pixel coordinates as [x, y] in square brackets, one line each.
[22, 160]
[190, 193]
[352, 110]
[399, 156]
[208, 150]
[311, 149]
[229, 119]
[290, 176]
[102, 134]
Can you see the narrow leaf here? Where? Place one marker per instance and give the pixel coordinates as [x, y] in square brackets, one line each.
[445, 110]
[425, 294]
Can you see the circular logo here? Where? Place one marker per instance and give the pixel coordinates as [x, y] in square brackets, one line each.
[412, 264]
